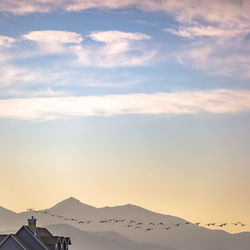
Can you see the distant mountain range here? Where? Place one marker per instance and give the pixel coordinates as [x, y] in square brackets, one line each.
[117, 236]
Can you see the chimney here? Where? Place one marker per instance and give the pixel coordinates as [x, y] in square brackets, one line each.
[32, 224]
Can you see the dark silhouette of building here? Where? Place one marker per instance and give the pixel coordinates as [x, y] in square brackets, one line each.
[32, 237]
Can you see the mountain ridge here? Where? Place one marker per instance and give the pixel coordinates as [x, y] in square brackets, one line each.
[184, 237]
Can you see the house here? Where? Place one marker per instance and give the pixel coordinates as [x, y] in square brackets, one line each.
[32, 237]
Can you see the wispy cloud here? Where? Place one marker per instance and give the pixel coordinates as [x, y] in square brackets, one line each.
[117, 36]
[186, 102]
[229, 57]
[105, 49]
[182, 10]
[53, 41]
[6, 42]
[118, 42]
[194, 31]
[114, 49]
[201, 21]
[11, 75]
[214, 43]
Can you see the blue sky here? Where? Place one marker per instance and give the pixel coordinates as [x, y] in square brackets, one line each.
[104, 89]
[162, 59]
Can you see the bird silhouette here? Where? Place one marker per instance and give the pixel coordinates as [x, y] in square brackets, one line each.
[236, 224]
[103, 221]
[129, 225]
[132, 221]
[221, 225]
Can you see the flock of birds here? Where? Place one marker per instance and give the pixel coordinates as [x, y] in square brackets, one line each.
[137, 225]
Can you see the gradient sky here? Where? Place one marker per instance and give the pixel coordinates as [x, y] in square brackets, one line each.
[117, 102]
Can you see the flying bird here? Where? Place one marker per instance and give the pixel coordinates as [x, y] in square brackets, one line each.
[132, 221]
[129, 225]
[222, 225]
[148, 229]
[236, 224]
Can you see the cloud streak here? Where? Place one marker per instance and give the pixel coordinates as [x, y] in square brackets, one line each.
[186, 102]
[6, 42]
[235, 13]
[110, 48]
[184, 10]
[201, 20]
[53, 41]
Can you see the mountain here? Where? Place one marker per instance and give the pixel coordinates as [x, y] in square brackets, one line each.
[71, 206]
[185, 237]
[100, 240]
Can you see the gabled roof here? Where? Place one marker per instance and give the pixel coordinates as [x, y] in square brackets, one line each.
[32, 235]
[2, 237]
[50, 239]
[42, 236]
[16, 239]
[41, 231]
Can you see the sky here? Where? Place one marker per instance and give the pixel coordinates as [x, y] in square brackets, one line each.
[116, 102]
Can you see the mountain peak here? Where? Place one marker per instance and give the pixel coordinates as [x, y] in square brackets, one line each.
[71, 200]
[71, 203]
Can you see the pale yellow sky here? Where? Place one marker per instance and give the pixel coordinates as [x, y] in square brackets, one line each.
[206, 179]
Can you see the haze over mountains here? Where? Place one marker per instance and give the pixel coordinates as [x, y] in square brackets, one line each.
[116, 236]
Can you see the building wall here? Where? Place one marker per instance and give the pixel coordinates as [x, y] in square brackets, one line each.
[52, 246]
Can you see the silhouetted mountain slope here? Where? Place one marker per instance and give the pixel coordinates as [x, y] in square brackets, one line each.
[100, 240]
[185, 237]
